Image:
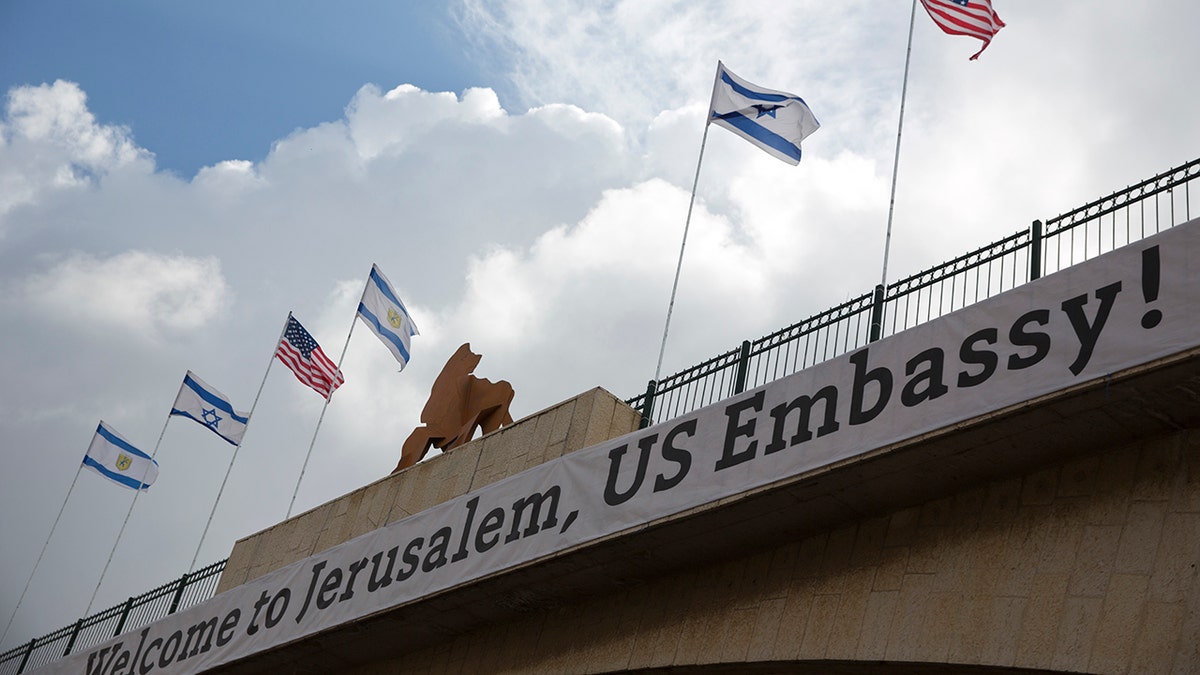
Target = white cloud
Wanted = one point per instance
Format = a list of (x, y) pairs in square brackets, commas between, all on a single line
[(51, 141), (373, 117), (141, 294)]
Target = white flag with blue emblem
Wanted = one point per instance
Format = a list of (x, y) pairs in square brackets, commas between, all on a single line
[(198, 401), (775, 121), (382, 310), (115, 458)]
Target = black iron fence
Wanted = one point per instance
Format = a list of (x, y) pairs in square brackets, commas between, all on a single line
[(1153, 205), (139, 610)]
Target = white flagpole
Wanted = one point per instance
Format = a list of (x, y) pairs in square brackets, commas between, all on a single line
[(42, 553), (326, 406), (899, 130), (237, 447), (686, 224), (132, 502)]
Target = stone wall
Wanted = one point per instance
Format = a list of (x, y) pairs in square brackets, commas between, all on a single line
[(1088, 565), (587, 419)]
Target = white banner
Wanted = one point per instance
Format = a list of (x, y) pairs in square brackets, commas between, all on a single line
[(1122, 309)]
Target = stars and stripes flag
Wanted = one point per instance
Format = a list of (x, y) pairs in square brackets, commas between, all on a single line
[(301, 353), (973, 18)]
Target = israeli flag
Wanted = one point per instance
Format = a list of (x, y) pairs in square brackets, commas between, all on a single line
[(200, 402), (775, 121), (382, 311), (113, 457)]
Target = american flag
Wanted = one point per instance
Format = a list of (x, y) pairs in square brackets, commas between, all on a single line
[(973, 18), (301, 353)]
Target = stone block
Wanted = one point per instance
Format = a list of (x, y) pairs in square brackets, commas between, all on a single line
[(1121, 613), (1140, 537)]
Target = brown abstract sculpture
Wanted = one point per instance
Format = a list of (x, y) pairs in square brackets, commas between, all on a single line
[(458, 402)]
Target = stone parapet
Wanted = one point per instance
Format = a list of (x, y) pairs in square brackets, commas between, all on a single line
[(590, 418)]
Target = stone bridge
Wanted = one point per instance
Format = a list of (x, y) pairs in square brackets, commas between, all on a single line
[(1060, 535)]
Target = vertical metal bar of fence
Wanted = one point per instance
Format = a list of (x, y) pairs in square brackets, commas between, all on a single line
[(877, 313), (178, 594), (124, 616), (28, 653), (74, 634), (739, 384), (648, 404), (1035, 250)]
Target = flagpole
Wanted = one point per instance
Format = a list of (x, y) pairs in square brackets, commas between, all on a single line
[(237, 447), (42, 553), (304, 467), (899, 130), (679, 265), (141, 481)]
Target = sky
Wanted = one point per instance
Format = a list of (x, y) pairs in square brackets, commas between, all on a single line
[(176, 177)]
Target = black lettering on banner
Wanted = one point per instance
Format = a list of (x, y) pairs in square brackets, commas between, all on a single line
[(1151, 271), (611, 496), (227, 626), (137, 655), (466, 532), (1087, 334), (328, 592), (491, 524), (354, 568), (97, 665), (377, 580), (828, 395), (735, 428), (438, 544), (266, 597), (200, 638), (308, 596), (535, 500), (121, 662), (410, 558), (167, 655), (914, 394), (145, 667), (280, 603), (987, 360), (881, 376), (678, 455), (1019, 337)]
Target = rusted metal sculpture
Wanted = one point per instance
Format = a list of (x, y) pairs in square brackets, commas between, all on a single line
[(458, 403)]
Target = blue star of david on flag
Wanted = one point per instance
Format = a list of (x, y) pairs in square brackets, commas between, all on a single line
[(766, 110), (211, 419)]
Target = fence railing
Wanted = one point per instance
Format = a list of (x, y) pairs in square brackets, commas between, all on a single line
[(139, 610), (1153, 205), (1126, 216)]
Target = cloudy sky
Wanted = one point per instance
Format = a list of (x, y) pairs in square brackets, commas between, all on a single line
[(176, 177)]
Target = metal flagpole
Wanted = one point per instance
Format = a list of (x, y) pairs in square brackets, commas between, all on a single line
[(899, 130), (237, 447), (132, 502), (679, 266), (42, 553), (324, 408)]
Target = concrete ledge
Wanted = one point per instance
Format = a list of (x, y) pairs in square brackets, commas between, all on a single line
[(590, 418)]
